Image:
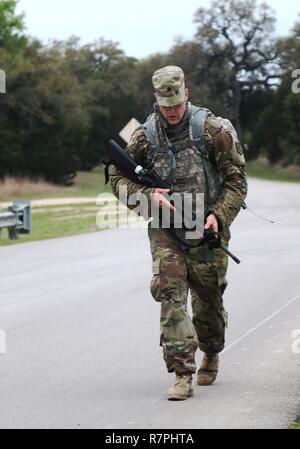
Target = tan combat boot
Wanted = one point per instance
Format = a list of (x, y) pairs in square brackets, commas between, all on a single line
[(182, 388), (208, 370)]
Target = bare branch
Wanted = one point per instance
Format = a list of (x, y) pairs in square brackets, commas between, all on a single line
[(263, 82), (260, 53), (232, 46)]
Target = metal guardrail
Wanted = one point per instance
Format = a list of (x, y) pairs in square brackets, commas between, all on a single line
[(17, 220)]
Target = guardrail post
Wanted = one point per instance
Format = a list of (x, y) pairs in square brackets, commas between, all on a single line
[(17, 220)]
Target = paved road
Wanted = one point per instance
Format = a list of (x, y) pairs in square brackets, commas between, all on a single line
[(82, 330)]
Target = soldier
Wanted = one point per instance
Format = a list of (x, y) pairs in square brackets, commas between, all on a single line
[(197, 153)]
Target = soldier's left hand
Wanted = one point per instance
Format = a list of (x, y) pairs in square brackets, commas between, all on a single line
[(212, 223)]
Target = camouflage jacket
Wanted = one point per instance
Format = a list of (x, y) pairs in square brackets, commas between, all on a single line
[(227, 156)]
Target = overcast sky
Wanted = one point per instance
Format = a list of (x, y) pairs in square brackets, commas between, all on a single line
[(141, 27)]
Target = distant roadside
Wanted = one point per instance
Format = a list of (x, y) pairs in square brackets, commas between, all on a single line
[(86, 184), (91, 184), (64, 211), (57, 211), (295, 425), (262, 169)]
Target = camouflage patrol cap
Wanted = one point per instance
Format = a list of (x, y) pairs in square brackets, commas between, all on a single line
[(169, 86)]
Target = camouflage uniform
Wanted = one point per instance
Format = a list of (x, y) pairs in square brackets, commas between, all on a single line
[(199, 270)]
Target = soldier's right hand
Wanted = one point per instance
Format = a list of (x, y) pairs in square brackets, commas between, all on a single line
[(160, 200)]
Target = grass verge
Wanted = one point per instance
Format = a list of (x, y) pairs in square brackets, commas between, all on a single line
[(52, 222), (62, 221), (295, 425), (263, 170)]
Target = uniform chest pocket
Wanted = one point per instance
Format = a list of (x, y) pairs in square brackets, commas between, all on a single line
[(189, 163), (163, 163)]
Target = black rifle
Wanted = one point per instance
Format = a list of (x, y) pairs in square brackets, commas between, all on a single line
[(132, 171), (214, 241), (136, 173)]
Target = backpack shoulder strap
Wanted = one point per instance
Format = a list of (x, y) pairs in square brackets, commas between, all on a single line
[(213, 179), (150, 131), (197, 121)]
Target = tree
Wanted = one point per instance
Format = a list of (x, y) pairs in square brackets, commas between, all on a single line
[(65, 101), (253, 106), (108, 87), (278, 127), (12, 45), (42, 117), (12, 38), (237, 35)]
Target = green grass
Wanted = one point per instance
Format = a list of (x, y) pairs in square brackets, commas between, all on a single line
[(60, 221), (295, 425), (89, 184), (262, 170), (52, 222), (57, 221)]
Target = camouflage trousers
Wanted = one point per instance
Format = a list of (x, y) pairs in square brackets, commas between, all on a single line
[(175, 273)]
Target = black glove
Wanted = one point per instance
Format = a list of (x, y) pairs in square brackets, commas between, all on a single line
[(212, 239)]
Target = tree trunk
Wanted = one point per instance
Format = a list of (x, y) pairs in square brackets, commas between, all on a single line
[(236, 103)]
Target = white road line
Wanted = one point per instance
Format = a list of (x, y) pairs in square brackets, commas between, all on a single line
[(261, 323)]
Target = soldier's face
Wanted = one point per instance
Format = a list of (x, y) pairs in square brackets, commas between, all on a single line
[(174, 114)]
